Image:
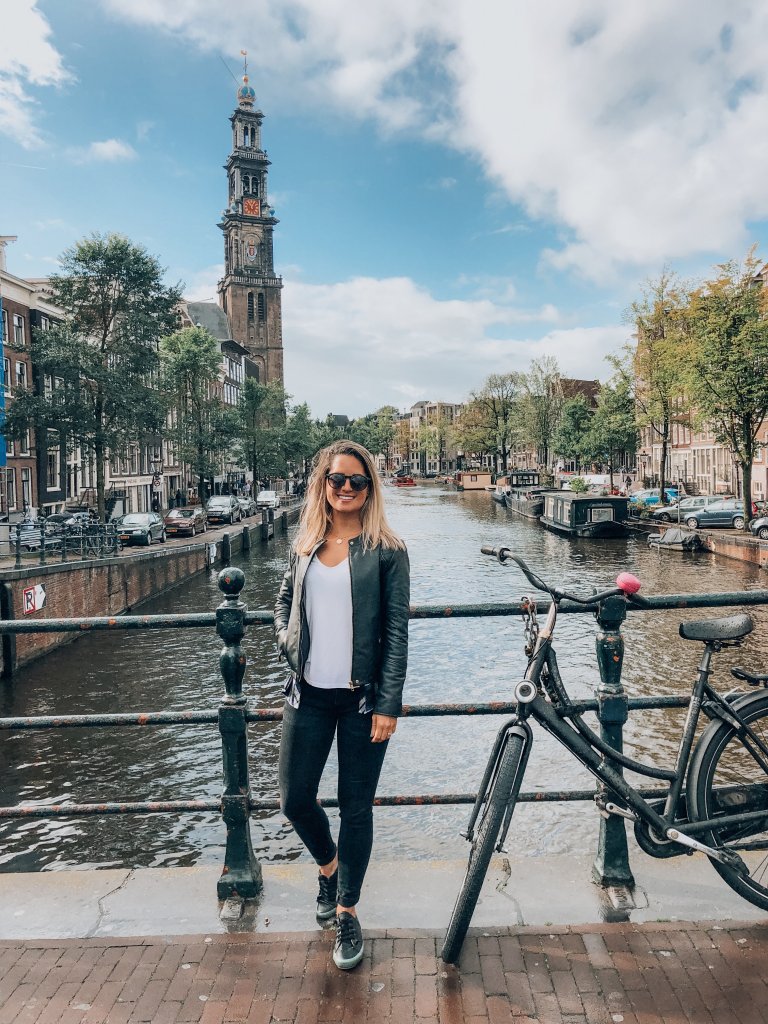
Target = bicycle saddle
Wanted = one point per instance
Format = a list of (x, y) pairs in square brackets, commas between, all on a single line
[(730, 627)]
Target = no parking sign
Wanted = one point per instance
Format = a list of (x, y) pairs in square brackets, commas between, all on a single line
[(33, 598)]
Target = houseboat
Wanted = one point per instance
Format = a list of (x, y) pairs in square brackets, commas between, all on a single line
[(525, 494), (585, 515), (472, 480), (501, 490)]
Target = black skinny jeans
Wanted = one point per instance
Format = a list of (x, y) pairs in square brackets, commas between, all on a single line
[(305, 744)]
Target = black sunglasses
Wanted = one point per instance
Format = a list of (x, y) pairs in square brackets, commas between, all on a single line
[(357, 481)]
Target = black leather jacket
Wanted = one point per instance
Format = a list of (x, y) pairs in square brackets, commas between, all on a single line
[(380, 580)]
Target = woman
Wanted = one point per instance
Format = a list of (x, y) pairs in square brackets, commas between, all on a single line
[(341, 622)]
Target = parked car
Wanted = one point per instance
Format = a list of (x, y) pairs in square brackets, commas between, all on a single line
[(57, 522), (141, 528), (267, 499), (189, 519), (759, 527), (223, 508), (684, 507), (247, 506), (652, 496), (727, 512)]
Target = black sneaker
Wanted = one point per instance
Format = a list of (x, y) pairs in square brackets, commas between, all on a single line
[(326, 897), (348, 948)]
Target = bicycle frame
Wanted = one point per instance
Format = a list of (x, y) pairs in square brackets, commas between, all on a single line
[(603, 761)]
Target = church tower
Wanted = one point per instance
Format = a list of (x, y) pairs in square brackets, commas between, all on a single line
[(249, 292)]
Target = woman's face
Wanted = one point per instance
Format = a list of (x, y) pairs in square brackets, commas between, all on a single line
[(346, 500)]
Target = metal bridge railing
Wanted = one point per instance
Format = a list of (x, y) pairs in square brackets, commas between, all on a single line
[(241, 873)]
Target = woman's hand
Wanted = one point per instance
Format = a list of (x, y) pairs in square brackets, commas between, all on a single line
[(382, 727)]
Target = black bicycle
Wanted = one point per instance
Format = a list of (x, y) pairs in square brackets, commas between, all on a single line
[(717, 796)]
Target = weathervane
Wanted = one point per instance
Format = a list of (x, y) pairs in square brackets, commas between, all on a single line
[(245, 61)]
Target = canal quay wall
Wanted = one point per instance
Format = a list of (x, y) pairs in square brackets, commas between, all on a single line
[(110, 586), (729, 544)]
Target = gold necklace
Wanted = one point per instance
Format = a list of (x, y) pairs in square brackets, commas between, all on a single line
[(343, 540)]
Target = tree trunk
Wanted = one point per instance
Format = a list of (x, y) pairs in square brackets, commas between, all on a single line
[(746, 477), (100, 483), (663, 463)]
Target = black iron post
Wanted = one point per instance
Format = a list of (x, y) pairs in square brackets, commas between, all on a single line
[(42, 543), (611, 865), (242, 872), (264, 525), (18, 546), (226, 550)]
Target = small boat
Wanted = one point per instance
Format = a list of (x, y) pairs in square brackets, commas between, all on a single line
[(525, 495), (585, 515), (500, 490), (675, 539), (404, 481)]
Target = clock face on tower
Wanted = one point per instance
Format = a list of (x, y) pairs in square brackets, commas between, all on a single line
[(251, 206)]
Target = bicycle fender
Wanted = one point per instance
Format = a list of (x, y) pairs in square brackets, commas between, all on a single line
[(741, 703)]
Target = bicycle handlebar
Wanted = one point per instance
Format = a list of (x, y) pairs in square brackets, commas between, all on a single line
[(626, 583)]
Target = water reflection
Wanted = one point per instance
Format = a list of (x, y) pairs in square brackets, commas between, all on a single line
[(453, 660)]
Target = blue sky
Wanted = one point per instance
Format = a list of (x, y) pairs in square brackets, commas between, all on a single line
[(462, 186)]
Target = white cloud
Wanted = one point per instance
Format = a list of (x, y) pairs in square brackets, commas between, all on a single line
[(27, 58), (107, 151), (636, 127), (353, 346), (201, 285)]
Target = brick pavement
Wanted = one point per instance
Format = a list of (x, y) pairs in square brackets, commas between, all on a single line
[(675, 973)]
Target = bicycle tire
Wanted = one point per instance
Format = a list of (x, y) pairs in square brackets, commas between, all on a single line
[(722, 760), (499, 797)]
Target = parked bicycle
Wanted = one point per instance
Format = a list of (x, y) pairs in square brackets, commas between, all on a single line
[(717, 797)]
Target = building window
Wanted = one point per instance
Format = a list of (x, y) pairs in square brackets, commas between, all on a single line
[(246, 184), (262, 308), (24, 444), (18, 329), (5, 326), (7, 376), (26, 488), (21, 374), (10, 488), (250, 307), (52, 475), (45, 323)]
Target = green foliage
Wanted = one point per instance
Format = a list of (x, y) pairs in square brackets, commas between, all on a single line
[(262, 428), (489, 423), (727, 358), (376, 431), (202, 425), (569, 439), (541, 405), (101, 360), (579, 485), (613, 429)]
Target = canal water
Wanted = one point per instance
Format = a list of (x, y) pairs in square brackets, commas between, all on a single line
[(458, 660)]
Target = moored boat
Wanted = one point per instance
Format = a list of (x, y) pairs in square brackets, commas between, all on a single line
[(585, 515), (675, 539), (472, 480), (404, 481), (500, 490), (525, 495)]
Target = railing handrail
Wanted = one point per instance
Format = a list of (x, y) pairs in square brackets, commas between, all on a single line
[(199, 620)]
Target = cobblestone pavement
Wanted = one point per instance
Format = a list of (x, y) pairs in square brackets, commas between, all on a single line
[(634, 974)]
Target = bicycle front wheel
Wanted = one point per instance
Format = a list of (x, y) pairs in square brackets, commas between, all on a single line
[(502, 794), (729, 775)]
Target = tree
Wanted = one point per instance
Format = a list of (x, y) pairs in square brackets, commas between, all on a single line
[(570, 436), (473, 433), (300, 437), (376, 431), (655, 366), (542, 404), (728, 361), (262, 428), (613, 430), (493, 419), (202, 426), (97, 368)]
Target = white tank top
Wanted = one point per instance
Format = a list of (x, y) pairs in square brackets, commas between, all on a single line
[(328, 591)]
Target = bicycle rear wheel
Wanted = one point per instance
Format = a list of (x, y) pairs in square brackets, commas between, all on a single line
[(502, 794), (729, 775)]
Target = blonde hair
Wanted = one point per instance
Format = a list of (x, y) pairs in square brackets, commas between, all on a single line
[(317, 515)]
